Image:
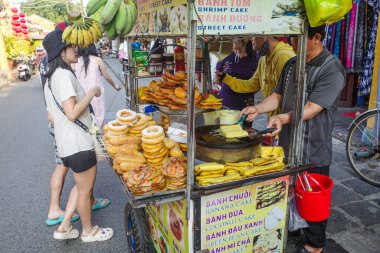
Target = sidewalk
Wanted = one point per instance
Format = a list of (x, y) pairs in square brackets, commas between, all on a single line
[(354, 226)]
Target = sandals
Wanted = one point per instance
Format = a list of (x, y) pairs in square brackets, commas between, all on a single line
[(52, 222), (69, 234), (98, 234)]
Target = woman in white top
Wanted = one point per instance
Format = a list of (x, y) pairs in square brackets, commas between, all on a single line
[(89, 71), (68, 104)]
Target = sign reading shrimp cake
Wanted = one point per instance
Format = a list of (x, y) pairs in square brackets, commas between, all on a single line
[(246, 219), (223, 17), (220, 17)]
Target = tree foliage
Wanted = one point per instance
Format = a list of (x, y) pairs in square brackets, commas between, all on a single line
[(53, 10)]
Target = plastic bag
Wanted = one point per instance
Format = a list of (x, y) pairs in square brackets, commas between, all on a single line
[(321, 12), (295, 220)]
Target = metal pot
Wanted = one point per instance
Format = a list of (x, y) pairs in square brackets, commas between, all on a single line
[(219, 149)]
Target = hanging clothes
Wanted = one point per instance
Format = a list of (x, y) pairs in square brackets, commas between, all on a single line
[(366, 76), (359, 47)]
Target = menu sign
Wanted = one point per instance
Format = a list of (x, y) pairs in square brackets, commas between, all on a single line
[(167, 226), (224, 17), (161, 16), (247, 219)]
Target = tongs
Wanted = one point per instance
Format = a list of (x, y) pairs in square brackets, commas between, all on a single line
[(264, 131)]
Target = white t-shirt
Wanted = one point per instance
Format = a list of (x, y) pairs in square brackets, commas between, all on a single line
[(70, 137)]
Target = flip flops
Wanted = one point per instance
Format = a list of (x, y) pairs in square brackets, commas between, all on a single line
[(69, 234), (52, 222), (100, 205), (98, 234)]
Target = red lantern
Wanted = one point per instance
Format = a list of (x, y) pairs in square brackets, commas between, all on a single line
[(22, 15), (17, 23), (18, 30), (23, 20), (23, 26), (15, 17), (25, 32), (14, 10)]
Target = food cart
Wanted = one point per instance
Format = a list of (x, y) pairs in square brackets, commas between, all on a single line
[(245, 215)]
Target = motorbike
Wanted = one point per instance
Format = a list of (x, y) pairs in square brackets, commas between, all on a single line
[(32, 63), (23, 72)]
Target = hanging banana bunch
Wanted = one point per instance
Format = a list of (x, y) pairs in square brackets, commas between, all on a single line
[(117, 17), (83, 32)]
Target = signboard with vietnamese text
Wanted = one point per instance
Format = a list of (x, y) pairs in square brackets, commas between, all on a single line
[(220, 17), (249, 219), (226, 17), (167, 227)]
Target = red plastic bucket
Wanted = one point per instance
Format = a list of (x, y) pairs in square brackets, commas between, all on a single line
[(315, 205)]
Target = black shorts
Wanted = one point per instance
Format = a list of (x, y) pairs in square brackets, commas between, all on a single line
[(80, 161)]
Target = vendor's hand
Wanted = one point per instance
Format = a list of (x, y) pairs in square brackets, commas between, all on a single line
[(219, 76), (274, 122), (96, 91), (251, 113), (216, 78)]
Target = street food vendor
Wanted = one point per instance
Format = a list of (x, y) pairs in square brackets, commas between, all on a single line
[(241, 63), (274, 56), (325, 80)]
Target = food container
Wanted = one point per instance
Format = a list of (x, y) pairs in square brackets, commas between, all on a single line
[(167, 57), (155, 58), (155, 69), (169, 65)]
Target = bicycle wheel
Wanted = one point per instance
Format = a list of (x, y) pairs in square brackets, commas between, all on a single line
[(362, 147)]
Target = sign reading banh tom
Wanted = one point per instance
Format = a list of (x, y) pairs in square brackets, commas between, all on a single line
[(220, 17)]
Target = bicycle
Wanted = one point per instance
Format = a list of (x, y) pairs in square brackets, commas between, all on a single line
[(363, 147)]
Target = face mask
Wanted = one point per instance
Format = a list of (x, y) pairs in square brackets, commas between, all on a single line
[(264, 49)]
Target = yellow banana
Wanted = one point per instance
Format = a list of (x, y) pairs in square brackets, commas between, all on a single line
[(86, 38), (93, 33), (66, 33), (74, 36), (80, 39)]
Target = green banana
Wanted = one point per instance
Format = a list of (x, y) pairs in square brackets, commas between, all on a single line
[(111, 30), (131, 19), (120, 19), (109, 11), (93, 6)]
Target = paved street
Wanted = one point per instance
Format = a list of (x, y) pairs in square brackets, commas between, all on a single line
[(27, 160)]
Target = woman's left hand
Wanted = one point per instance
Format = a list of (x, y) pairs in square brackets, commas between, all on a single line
[(117, 87)]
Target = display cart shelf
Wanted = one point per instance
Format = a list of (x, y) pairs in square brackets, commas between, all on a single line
[(215, 188)]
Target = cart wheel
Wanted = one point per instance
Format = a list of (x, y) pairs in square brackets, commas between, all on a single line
[(134, 222)]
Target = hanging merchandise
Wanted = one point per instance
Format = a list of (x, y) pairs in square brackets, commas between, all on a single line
[(117, 16), (23, 20), (22, 15), (82, 32), (14, 10), (366, 76), (179, 57), (23, 26), (15, 17), (321, 12)]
